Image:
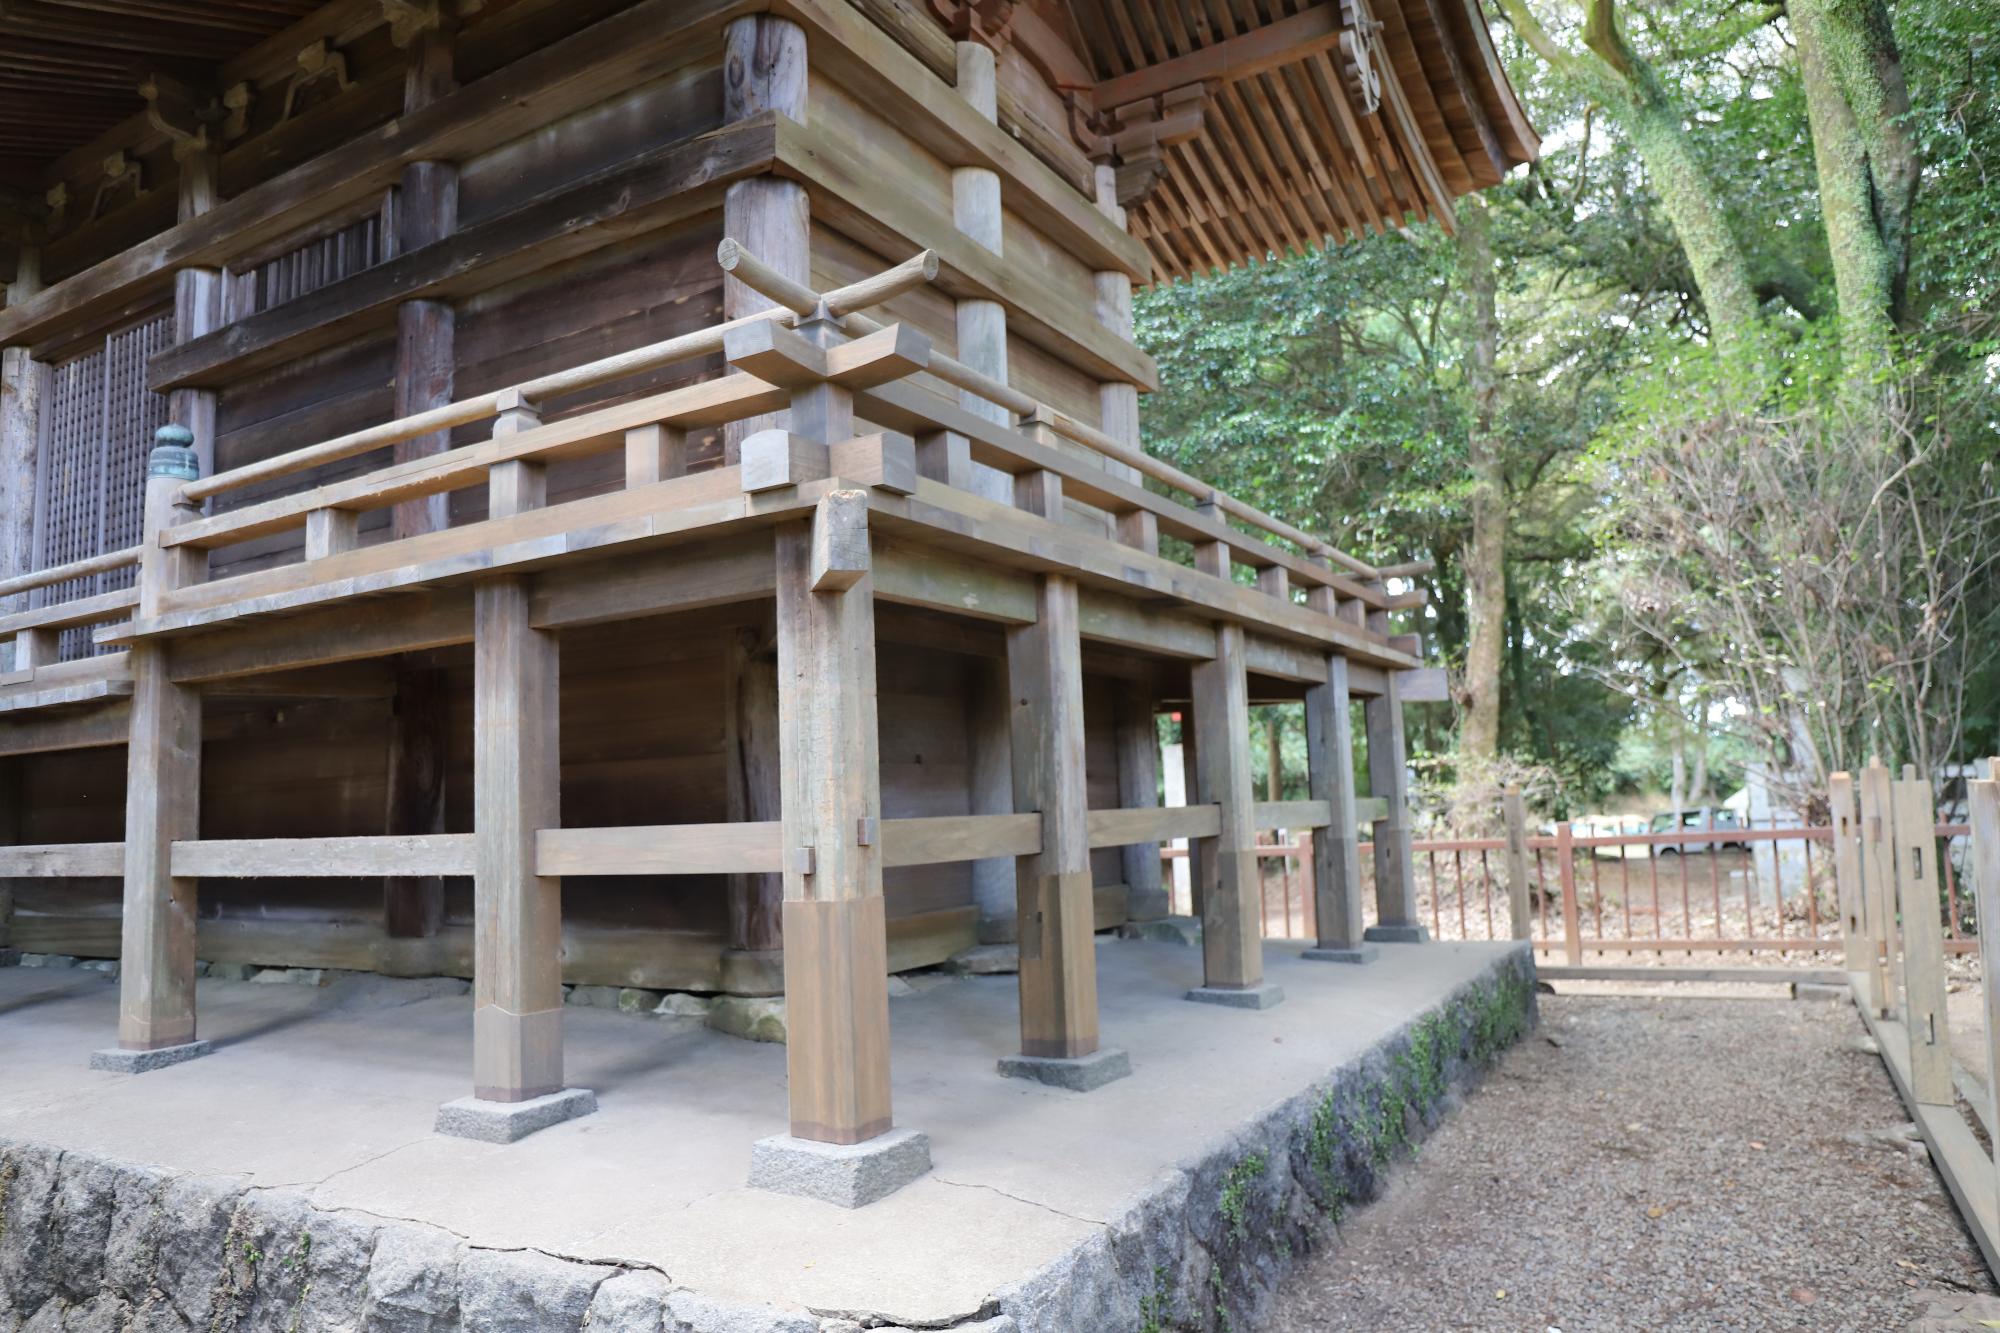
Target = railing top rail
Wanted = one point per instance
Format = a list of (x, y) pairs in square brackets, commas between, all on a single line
[(75, 569), (803, 301), (869, 291)]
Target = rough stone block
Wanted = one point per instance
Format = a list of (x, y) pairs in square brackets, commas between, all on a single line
[(753, 1018), (505, 1122), (1364, 953), (412, 1283), (1397, 934), (633, 1302), (10, 957), (680, 1005), (52, 961), (689, 1313), (523, 1291), (119, 1061), (987, 960), (1263, 996), (1147, 904), (231, 971), (1182, 930), (633, 1000), (1818, 990), (1082, 1073), (592, 997), (845, 1175)]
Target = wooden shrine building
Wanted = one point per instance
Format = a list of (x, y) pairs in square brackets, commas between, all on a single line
[(649, 492)]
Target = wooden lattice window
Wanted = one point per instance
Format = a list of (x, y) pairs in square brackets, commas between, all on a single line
[(97, 429), (317, 263)]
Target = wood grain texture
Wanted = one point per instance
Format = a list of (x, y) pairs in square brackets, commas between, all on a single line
[(1232, 903), (1388, 779), (1878, 874), (1054, 912), (1847, 871), (1330, 774), (1924, 1015)]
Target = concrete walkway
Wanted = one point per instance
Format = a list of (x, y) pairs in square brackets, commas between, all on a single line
[(331, 1092)]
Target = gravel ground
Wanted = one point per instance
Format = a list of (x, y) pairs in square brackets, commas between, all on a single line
[(1658, 1163)]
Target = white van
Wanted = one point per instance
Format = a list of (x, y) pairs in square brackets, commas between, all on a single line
[(1706, 818)]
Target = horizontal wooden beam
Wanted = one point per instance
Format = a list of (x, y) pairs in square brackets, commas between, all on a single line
[(63, 860), (1257, 51), (946, 838), (66, 729), (1290, 814), (656, 189), (37, 694), (1121, 828), (350, 632), (325, 858), (77, 611), (661, 849)]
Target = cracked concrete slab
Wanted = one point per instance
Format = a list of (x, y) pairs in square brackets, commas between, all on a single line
[(325, 1094)]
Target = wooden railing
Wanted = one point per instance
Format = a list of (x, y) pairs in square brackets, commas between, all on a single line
[(883, 367), (36, 632)]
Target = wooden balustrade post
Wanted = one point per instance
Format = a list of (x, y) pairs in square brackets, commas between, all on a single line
[(1056, 913), (1847, 873), (1389, 780), (1336, 853), (1571, 910), (1983, 869), (1925, 1019), (1878, 874), (835, 929), (156, 990), (1118, 400), (1232, 926), (1520, 913)]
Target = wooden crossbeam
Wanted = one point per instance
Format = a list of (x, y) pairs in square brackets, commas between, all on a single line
[(1284, 42)]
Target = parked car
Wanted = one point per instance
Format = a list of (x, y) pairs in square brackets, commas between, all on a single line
[(1706, 818)]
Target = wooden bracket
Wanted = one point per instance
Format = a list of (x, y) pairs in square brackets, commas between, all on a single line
[(1137, 135), (775, 355), (120, 172), (988, 22), (774, 459), (410, 19), (194, 120), (318, 63)]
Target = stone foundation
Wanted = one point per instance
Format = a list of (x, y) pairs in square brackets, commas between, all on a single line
[(88, 1244)]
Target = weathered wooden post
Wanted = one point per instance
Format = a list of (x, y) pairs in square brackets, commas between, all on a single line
[(1925, 1018), (1336, 858), (1520, 914), (1232, 927), (1138, 740), (22, 379), (1572, 912), (1056, 913), (1878, 875), (1389, 779), (517, 1041), (156, 1000), (1847, 873), (1983, 869)]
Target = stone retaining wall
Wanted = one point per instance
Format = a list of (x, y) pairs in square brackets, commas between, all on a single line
[(91, 1245)]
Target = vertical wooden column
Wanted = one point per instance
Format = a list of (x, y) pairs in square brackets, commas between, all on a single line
[(1878, 876), (1847, 873), (1924, 1017), (1520, 915), (1336, 848), (836, 945), (517, 1044), (1117, 400), (1058, 976), (1232, 927), (156, 1009), (1389, 779), (753, 963), (1138, 741), (426, 361), (21, 382), (197, 306), (764, 68)]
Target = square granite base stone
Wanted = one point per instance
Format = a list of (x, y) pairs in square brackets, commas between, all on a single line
[(1081, 1073), (847, 1175), (117, 1060), (1263, 996), (1397, 934), (505, 1122), (1360, 953)]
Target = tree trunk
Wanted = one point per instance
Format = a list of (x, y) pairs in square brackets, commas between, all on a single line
[(1485, 560), (1856, 101)]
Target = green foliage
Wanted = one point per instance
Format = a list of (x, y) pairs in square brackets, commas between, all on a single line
[(1235, 1201)]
